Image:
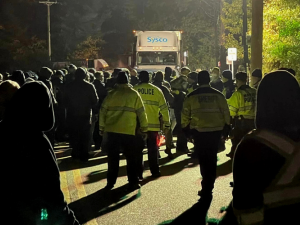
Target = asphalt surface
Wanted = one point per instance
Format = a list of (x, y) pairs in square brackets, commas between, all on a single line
[(169, 199)]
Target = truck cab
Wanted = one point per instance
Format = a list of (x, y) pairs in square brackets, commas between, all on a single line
[(156, 50)]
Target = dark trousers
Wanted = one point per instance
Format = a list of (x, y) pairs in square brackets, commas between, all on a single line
[(80, 136), (206, 150), (60, 124), (153, 152), (241, 128), (140, 145), (115, 142), (96, 136), (181, 143)]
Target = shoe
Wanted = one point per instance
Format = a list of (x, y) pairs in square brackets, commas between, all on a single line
[(108, 187), (186, 150), (156, 175), (231, 184), (204, 194), (133, 187), (170, 156)]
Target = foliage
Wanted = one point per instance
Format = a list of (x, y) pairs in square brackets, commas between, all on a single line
[(88, 49), (232, 19), (282, 35)]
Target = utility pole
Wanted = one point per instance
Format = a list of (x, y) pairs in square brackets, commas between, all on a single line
[(48, 4), (245, 29), (256, 37)]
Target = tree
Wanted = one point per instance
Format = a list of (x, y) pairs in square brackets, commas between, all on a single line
[(88, 49), (282, 35), (232, 19)]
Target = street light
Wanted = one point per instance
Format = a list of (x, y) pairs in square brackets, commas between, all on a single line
[(48, 4)]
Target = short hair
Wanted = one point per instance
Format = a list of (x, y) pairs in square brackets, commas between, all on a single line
[(144, 76), (203, 77)]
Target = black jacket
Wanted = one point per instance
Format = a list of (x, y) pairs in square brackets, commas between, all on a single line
[(80, 97), (33, 181)]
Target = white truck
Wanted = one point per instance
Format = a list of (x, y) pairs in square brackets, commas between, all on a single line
[(156, 50)]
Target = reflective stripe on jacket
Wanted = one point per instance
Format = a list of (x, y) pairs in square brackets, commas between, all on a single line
[(120, 110), (205, 110), (285, 188), (155, 103), (242, 102)]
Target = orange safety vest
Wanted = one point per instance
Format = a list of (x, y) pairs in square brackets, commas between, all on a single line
[(285, 187)]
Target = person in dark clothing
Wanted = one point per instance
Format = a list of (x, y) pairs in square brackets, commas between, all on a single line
[(229, 87), (216, 81), (193, 82), (102, 93), (110, 83), (18, 76), (80, 97), (71, 74), (107, 76), (133, 78), (179, 89), (168, 74), (45, 77), (256, 76), (34, 160), (158, 82), (7, 90), (266, 163), (59, 109)]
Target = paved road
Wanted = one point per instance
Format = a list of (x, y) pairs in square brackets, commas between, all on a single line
[(159, 201)]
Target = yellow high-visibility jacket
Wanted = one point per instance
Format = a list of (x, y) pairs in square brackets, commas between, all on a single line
[(120, 109), (155, 103), (242, 102), (205, 110)]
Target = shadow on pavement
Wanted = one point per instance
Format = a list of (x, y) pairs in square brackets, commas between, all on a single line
[(102, 202), (167, 170), (195, 215), (224, 168)]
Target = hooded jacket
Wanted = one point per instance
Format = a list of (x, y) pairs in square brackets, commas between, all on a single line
[(266, 163), (37, 185)]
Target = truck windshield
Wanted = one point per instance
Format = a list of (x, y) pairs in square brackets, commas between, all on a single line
[(157, 58)]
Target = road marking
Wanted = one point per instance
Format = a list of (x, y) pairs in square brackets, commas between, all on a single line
[(81, 191), (64, 186)]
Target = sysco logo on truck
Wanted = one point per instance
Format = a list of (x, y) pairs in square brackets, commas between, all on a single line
[(156, 39)]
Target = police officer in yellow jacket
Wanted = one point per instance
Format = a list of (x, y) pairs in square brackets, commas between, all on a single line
[(242, 110), (155, 104), (266, 169), (118, 117), (205, 116)]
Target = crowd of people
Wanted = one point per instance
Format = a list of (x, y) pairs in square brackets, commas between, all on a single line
[(125, 111)]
